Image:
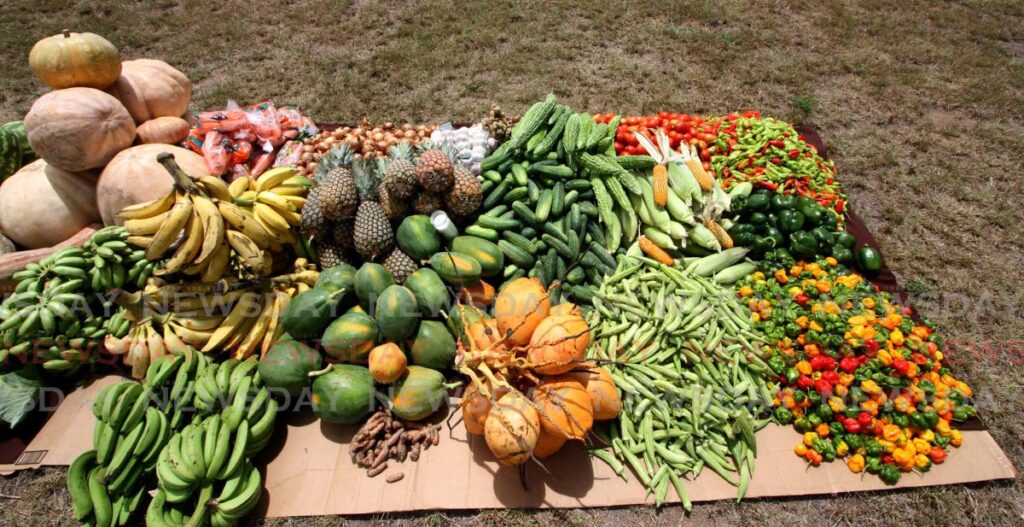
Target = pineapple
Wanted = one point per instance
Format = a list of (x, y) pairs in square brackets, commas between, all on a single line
[(466, 195), (312, 219), (435, 170), (329, 255), (372, 234), (400, 174), (393, 206), (341, 234), (399, 265), (338, 197), (428, 202)]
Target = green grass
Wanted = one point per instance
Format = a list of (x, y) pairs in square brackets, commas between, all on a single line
[(921, 102)]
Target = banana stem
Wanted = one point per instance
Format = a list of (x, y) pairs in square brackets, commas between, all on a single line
[(181, 180)]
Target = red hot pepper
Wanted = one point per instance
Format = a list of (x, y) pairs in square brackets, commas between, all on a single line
[(852, 426), (801, 299), (849, 364), (793, 154), (804, 382), (823, 387), (864, 419), (900, 365), (871, 345)]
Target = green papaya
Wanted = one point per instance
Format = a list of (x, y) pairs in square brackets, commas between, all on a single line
[(343, 394), (418, 394), (338, 277), (350, 338), (287, 364), (417, 237), (456, 268), (370, 281), (486, 253), (310, 312), (431, 293), (433, 347), (461, 317), (397, 314)]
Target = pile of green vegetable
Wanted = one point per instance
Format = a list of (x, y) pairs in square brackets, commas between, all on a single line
[(784, 227)]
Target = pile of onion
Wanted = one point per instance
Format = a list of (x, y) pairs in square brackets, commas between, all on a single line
[(530, 347), (365, 140)]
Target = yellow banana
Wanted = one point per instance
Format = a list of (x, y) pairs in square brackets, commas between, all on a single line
[(196, 339), (140, 241), (246, 198), (155, 344), (275, 201), (215, 187), (281, 301), (288, 190), (237, 219), (238, 186), (243, 310), (252, 256), (270, 216), (148, 209), (172, 341), (274, 177), (255, 335), (170, 229), (198, 324), (187, 249), (276, 235), (218, 264), (146, 226), (213, 227), (297, 201)]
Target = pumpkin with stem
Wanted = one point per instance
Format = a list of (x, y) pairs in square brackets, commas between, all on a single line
[(72, 60)]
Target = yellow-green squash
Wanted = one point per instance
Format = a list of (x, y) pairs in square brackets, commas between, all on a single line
[(418, 394), (456, 268), (397, 313), (350, 338), (486, 253), (433, 347)]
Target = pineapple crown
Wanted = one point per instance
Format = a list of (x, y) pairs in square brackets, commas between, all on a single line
[(339, 156), (401, 150), (366, 178), (449, 151)]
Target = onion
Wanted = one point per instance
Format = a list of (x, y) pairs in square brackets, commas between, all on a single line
[(382, 145), (410, 134), (512, 429), (306, 157), (558, 344), (600, 386), (353, 142), (389, 125), (520, 307)]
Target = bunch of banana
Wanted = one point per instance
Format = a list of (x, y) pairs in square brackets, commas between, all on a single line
[(233, 498), (105, 261), (233, 388), (141, 346), (92, 500), (274, 200)]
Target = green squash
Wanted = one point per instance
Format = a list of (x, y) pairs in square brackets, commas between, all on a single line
[(310, 312), (287, 364), (434, 346), (418, 394), (431, 293), (486, 253), (461, 317), (370, 281), (456, 268), (344, 394), (338, 277), (350, 338), (397, 313), (417, 237)]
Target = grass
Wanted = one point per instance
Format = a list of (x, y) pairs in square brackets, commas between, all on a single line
[(922, 108)]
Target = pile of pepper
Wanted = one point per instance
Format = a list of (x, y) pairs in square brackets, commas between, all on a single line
[(770, 154), (857, 376), (783, 227), (680, 128)]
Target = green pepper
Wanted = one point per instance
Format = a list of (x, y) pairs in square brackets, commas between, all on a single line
[(757, 219), (790, 221), (802, 425), (775, 234), (783, 416), (737, 203), (918, 421), (815, 397), (926, 386), (825, 412), (758, 201), (782, 256), (829, 219), (873, 448), (901, 420), (931, 417), (804, 201), (773, 220), (803, 244), (960, 413), (835, 428), (842, 254), (873, 464), (868, 260), (889, 474), (941, 440), (777, 364), (783, 202), (846, 239), (792, 375), (812, 212), (851, 412), (854, 440), (744, 239), (799, 396), (857, 395), (823, 235), (738, 228), (814, 420)]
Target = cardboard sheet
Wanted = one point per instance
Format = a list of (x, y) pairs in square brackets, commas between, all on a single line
[(308, 470)]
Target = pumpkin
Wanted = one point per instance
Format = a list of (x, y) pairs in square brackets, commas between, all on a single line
[(73, 60), (152, 88), (135, 176), (78, 129), (166, 130), (42, 205)]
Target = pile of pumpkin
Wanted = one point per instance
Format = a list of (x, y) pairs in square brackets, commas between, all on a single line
[(83, 131), (530, 391)]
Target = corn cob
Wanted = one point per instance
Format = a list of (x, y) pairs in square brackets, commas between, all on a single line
[(723, 237), (651, 249)]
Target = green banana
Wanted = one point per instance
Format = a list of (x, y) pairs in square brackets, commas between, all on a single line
[(102, 509), (78, 484), (125, 446), (104, 445), (125, 404), (112, 398), (245, 500), (220, 452), (150, 431), (241, 444), (138, 410)]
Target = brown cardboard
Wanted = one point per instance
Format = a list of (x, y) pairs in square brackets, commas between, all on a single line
[(308, 471)]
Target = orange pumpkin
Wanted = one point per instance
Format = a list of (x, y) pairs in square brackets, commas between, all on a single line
[(42, 205), (78, 129), (75, 60), (164, 130), (135, 176), (152, 88)]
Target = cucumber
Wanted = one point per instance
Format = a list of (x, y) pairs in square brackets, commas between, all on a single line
[(577, 184), (575, 217), (558, 245), (524, 212), (588, 208), (519, 174), (560, 269), (516, 254), (558, 199), (636, 162), (494, 197), (533, 190), (544, 205), (500, 224), (528, 232), (605, 256), (575, 275), (550, 265), (492, 175), (519, 240), (558, 171), (515, 194), (499, 156), (497, 211), (554, 230), (486, 186), (482, 232), (573, 243), (596, 232), (548, 143), (570, 198), (505, 166)]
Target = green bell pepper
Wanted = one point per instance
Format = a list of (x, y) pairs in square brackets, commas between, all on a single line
[(803, 244), (783, 201), (823, 235), (813, 213), (889, 474), (790, 221), (758, 201), (846, 240), (783, 416), (868, 260), (842, 254)]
